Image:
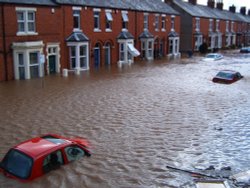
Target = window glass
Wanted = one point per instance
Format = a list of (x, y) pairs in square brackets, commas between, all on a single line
[(31, 21), (52, 161), (74, 152), (96, 20), (76, 19), (34, 58), (18, 164), (21, 21), (73, 56)]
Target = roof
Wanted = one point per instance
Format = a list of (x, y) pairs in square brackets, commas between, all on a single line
[(77, 37), (146, 34), (139, 5), (37, 146), (207, 12), (125, 35), (30, 2)]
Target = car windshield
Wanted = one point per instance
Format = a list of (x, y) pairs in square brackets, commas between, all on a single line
[(210, 56), (17, 164), (225, 75)]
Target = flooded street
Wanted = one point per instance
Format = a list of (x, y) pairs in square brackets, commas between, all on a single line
[(139, 119)]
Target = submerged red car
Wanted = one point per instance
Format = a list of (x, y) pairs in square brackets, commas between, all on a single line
[(40, 155), (227, 77)]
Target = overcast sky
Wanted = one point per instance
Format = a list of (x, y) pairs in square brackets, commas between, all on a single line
[(227, 3)]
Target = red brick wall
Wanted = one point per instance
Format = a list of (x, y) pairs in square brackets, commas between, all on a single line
[(48, 26)]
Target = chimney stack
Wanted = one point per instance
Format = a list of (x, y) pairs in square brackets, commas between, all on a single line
[(232, 9), (194, 2), (168, 2), (210, 3), (219, 4), (243, 10), (248, 12)]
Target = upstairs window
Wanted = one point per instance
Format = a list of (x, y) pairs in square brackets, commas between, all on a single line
[(26, 21), (125, 20), (163, 22), (77, 18), (109, 20), (211, 25), (217, 25), (232, 26), (197, 24), (97, 20), (172, 23), (145, 21), (227, 26), (157, 22)]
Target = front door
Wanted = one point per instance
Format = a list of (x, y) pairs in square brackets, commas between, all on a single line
[(52, 64)]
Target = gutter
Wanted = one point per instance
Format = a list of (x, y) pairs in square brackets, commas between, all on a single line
[(4, 44)]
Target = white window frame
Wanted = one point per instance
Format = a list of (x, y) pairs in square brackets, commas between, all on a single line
[(157, 19), (217, 25), (109, 19), (26, 48), (163, 22), (232, 26), (145, 20), (172, 23), (77, 15), (26, 21), (128, 58), (77, 46), (147, 48), (125, 19), (227, 26), (211, 22), (97, 20), (197, 24), (198, 42)]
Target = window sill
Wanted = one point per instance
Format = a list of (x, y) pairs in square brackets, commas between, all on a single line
[(97, 30), (108, 30), (163, 30), (26, 33)]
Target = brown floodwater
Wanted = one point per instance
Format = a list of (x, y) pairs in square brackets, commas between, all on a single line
[(138, 118)]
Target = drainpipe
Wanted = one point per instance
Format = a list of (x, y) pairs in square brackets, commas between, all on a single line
[(4, 45)]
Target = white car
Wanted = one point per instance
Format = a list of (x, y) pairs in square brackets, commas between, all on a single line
[(213, 57)]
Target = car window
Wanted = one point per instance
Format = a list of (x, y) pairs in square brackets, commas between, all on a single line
[(18, 164), (74, 152), (52, 161)]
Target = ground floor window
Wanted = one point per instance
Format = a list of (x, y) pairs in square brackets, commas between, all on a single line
[(197, 42), (211, 42), (127, 51), (147, 48), (228, 40), (79, 55), (173, 45), (28, 60)]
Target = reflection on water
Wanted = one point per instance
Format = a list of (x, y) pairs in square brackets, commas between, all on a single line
[(139, 119)]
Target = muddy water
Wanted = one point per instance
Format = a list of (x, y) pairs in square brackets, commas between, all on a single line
[(139, 119)]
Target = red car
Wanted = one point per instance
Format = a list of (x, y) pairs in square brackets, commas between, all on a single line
[(39, 155), (227, 77)]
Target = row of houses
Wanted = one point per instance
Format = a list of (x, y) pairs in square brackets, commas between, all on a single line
[(39, 38)]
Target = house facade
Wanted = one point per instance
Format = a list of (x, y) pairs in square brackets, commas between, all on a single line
[(211, 25), (44, 37)]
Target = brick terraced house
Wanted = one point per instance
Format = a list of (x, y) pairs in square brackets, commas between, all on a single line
[(212, 25), (39, 38)]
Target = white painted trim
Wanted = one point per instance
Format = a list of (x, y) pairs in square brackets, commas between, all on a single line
[(26, 9)]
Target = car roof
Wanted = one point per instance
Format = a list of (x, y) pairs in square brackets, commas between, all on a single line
[(229, 71), (38, 146)]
